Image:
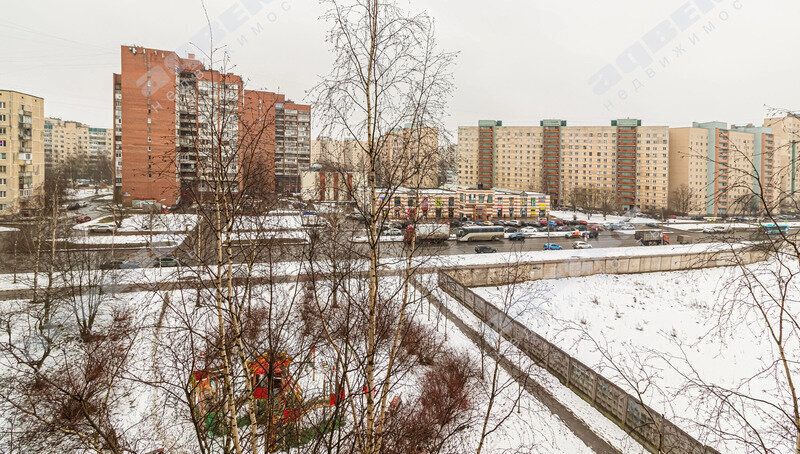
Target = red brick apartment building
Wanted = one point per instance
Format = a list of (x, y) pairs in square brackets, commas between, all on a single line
[(168, 112)]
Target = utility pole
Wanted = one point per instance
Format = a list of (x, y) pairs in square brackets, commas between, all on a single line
[(794, 166)]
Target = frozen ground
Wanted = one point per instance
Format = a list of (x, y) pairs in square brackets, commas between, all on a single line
[(85, 193), (157, 222), (663, 331), (548, 434), (599, 219)]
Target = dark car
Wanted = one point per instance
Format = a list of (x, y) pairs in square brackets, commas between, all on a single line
[(518, 236), (166, 262), (119, 265), (511, 229), (82, 219), (484, 249), (73, 206)]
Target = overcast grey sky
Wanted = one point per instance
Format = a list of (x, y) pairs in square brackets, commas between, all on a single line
[(521, 61)]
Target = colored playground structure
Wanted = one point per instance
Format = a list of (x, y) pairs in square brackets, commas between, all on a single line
[(279, 401)]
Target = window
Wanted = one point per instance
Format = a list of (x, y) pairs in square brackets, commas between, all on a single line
[(3, 156), (2, 182), (2, 118), (2, 169), (2, 130), (2, 194), (2, 143), (2, 105)]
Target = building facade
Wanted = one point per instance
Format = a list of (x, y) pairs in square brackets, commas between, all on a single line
[(413, 157), (172, 115), (717, 170), (624, 161), (786, 133), (71, 141), (21, 149)]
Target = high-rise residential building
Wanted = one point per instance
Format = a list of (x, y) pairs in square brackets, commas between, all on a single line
[(717, 170), (786, 132), (171, 114), (21, 148), (625, 161), (66, 141), (413, 157)]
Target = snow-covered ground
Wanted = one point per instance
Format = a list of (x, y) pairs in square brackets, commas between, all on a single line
[(158, 239), (675, 328), (430, 263), (599, 219), (549, 434), (86, 193), (157, 222), (700, 226)]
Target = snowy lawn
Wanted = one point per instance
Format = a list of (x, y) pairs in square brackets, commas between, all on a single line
[(157, 222), (664, 330), (599, 219)]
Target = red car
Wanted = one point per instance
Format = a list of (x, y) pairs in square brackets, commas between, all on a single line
[(82, 219)]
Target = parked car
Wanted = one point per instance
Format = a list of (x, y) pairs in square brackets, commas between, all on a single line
[(511, 230), (166, 262), (716, 229), (499, 223), (487, 223), (119, 265), (393, 232), (552, 247), (82, 219), (102, 228), (484, 249), (573, 234), (73, 206), (581, 245), (82, 204), (514, 223), (518, 236)]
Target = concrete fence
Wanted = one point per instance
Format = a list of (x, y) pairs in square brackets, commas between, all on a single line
[(563, 265), (642, 423)]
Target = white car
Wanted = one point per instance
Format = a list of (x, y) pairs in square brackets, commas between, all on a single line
[(393, 232), (581, 245), (716, 229)]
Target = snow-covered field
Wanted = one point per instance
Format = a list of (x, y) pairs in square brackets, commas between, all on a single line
[(157, 222), (599, 219), (86, 193), (664, 331), (158, 239)]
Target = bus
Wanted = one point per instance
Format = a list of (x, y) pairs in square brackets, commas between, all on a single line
[(480, 233), (772, 229)]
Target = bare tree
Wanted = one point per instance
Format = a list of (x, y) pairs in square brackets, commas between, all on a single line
[(388, 75)]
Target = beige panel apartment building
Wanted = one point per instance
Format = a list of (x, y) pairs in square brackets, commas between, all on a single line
[(413, 157), (717, 170), (786, 132), (21, 148), (626, 160), (71, 141)]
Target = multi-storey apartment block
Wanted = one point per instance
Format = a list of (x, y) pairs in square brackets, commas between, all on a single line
[(21, 148), (718, 170), (413, 157), (172, 116), (626, 160), (786, 133), (71, 141)]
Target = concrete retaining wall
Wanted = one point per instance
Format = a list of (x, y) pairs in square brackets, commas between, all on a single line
[(576, 266)]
